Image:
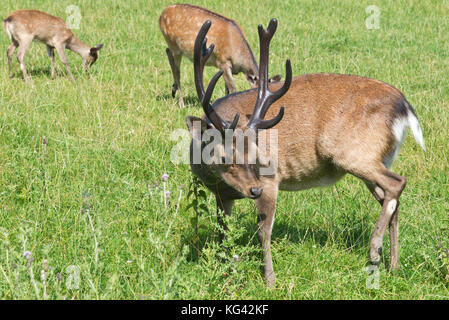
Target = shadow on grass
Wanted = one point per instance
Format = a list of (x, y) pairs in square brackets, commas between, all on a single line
[(348, 235), (189, 101), (42, 73)]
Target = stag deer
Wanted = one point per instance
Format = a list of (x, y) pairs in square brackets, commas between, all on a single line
[(334, 124), (26, 26), (180, 24)]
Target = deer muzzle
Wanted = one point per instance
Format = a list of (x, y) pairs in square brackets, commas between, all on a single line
[(255, 192)]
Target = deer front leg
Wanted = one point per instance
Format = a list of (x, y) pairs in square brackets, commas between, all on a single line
[(175, 65), (61, 52), (51, 55), (266, 206), (227, 75), (223, 207)]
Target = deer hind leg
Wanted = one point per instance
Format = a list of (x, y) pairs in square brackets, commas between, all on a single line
[(266, 206), (394, 228), (61, 53), (23, 48), (175, 64), (10, 52), (386, 187), (377, 192), (51, 55)]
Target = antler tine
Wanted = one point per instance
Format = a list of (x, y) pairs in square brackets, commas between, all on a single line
[(200, 55), (265, 98), (217, 121), (264, 43)]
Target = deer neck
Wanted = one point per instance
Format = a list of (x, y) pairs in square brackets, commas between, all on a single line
[(76, 45)]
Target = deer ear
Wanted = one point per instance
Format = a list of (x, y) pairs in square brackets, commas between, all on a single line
[(96, 48), (275, 78), (196, 126)]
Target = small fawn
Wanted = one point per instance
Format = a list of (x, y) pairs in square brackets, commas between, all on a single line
[(26, 26), (180, 24), (334, 124)]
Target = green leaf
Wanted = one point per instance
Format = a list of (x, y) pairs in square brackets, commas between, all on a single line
[(202, 194), (203, 207)]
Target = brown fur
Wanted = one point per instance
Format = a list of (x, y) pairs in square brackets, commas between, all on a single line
[(326, 131), (26, 26), (180, 24)]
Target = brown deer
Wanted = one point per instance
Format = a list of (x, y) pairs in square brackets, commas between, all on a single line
[(334, 124), (180, 24), (26, 26)]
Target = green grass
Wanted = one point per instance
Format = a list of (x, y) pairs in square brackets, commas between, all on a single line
[(82, 202)]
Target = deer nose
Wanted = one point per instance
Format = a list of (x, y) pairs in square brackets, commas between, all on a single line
[(255, 192)]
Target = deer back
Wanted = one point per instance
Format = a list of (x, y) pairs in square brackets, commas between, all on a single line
[(180, 25), (41, 26)]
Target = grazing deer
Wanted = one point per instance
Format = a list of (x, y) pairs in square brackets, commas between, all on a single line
[(334, 124), (26, 26), (180, 24)]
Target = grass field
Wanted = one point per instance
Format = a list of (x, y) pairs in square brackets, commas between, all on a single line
[(81, 164)]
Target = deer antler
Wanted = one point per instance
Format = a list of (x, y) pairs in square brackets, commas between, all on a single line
[(200, 55), (265, 98)]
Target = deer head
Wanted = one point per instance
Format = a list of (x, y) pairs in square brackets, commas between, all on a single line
[(232, 171), (91, 57)]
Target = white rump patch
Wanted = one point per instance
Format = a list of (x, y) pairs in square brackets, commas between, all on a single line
[(399, 129), (8, 31), (391, 206)]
